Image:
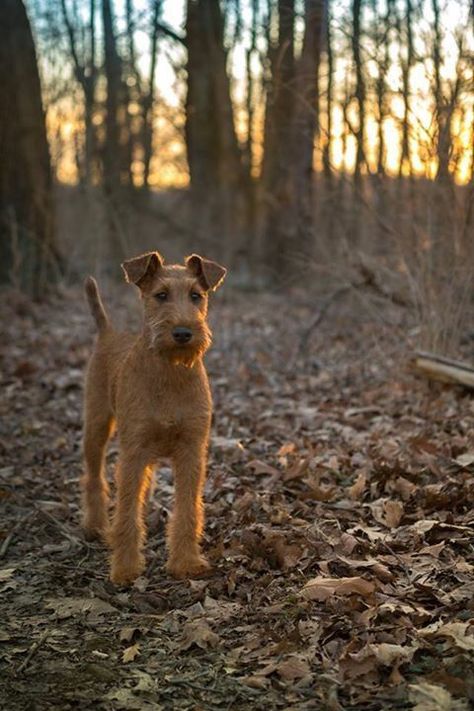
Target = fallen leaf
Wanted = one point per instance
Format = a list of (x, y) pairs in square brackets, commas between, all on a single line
[(358, 487), (65, 607), (465, 460), (260, 467), (429, 697), (293, 668), (458, 631), (6, 573), (127, 633), (387, 512), (323, 588), (198, 633), (130, 653)]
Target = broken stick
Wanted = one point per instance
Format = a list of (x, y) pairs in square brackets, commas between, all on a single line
[(443, 369)]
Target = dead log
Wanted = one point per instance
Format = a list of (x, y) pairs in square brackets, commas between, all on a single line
[(443, 369)]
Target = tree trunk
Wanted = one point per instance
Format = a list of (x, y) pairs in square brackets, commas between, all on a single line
[(327, 157), (443, 140), (28, 255), (277, 140), (288, 180), (85, 73), (148, 100), (407, 63), (218, 179), (112, 149), (360, 91)]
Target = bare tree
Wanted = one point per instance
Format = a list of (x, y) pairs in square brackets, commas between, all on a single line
[(218, 177), (148, 98), (27, 236), (360, 88), (85, 72), (113, 73), (406, 65), (293, 123), (327, 158)]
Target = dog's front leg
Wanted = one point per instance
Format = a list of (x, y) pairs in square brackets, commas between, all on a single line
[(187, 521), (128, 529)]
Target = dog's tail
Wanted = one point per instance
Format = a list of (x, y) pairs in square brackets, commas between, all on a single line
[(95, 304)]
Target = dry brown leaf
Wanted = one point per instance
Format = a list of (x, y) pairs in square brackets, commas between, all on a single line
[(260, 467), (359, 486), (377, 568), (130, 653), (256, 681), (65, 607), (465, 460), (387, 512), (293, 668), (388, 654), (461, 632), (287, 448), (198, 632), (6, 573), (126, 633), (323, 588), (429, 697)]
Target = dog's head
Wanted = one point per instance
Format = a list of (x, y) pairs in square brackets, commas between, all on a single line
[(175, 301)]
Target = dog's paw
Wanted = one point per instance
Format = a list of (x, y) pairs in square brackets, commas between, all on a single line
[(125, 573), (95, 533), (195, 567)]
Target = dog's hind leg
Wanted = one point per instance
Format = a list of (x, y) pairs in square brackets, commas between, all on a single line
[(95, 488)]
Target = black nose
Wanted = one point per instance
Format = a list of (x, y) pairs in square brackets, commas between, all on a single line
[(182, 334)]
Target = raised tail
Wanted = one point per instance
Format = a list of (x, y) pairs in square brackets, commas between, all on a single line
[(95, 304)]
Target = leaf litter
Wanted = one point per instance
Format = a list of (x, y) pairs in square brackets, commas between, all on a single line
[(340, 527)]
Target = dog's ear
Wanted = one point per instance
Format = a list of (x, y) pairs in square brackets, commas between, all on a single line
[(210, 274), (140, 270)]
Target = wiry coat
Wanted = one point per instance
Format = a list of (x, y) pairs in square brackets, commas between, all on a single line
[(154, 388)]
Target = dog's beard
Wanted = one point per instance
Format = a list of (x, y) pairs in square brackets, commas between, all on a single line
[(186, 354)]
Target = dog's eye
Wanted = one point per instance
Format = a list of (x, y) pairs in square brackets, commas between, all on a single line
[(196, 296), (161, 296)]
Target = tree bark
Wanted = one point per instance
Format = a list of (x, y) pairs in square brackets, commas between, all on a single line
[(112, 148), (28, 253), (218, 178), (407, 63), (288, 180), (327, 157), (360, 90), (86, 75), (148, 100)]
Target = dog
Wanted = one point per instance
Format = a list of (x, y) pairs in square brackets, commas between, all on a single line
[(153, 388)]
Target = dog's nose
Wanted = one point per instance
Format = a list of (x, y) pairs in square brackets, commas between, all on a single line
[(181, 334)]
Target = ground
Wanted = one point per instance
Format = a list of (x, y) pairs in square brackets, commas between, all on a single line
[(339, 523)]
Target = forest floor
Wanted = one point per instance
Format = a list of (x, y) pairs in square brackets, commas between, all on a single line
[(340, 524)]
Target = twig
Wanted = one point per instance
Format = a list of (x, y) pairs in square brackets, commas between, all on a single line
[(304, 338), (6, 543), (58, 524), (34, 648)]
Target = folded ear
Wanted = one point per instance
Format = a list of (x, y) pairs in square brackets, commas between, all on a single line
[(140, 270), (210, 274)]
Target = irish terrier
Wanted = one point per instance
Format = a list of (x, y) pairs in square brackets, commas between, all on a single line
[(154, 388)]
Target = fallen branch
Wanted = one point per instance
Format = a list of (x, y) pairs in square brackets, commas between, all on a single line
[(443, 369)]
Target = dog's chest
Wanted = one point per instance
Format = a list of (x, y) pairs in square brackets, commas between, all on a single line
[(174, 416)]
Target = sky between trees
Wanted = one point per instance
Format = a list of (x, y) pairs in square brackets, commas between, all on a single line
[(250, 26)]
